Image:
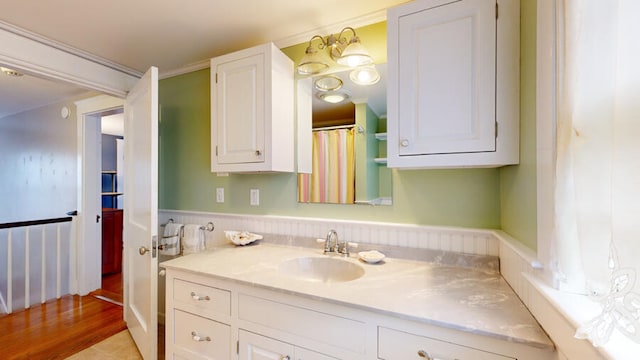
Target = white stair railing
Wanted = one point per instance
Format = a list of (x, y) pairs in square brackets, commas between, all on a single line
[(36, 271)]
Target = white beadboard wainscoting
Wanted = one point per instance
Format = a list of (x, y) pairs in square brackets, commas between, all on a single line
[(460, 240)]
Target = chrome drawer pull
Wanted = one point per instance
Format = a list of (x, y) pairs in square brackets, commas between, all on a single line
[(424, 354), (199, 338), (197, 297)]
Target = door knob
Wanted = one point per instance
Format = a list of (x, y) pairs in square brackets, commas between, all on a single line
[(143, 250)]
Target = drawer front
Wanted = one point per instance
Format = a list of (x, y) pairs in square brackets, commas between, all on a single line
[(400, 345), (195, 334), (333, 330), (201, 299)]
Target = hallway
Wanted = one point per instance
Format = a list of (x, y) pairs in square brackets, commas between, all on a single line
[(60, 328)]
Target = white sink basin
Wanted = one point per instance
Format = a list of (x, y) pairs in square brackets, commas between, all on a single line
[(322, 269)]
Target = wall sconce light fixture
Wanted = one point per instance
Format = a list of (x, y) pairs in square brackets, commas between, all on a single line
[(348, 52)]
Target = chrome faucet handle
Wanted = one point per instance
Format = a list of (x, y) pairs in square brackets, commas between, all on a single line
[(343, 248)]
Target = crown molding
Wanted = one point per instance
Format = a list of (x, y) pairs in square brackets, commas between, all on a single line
[(360, 21), (68, 49), (296, 39), (200, 65), (35, 55)]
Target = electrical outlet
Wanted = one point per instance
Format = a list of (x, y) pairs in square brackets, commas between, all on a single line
[(255, 197), (219, 195)]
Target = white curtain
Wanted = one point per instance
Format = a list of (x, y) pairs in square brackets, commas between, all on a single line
[(597, 195)]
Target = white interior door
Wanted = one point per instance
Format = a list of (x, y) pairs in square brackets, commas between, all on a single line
[(141, 214)]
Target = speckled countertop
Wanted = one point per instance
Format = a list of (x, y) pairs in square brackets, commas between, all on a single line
[(472, 300)]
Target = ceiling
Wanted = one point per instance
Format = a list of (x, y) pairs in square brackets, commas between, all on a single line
[(18, 94), (167, 34)]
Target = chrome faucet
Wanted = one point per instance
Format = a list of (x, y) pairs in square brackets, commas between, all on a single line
[(332, 244)]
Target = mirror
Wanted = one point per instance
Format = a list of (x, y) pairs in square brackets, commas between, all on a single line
[(348, 141)]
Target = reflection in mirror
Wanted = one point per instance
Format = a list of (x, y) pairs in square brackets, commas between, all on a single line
[(349, 140)]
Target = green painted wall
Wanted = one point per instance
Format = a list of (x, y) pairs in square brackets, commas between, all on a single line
[(518, 183), (468, 198), (459, 197)]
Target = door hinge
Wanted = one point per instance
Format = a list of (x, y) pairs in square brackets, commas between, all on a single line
[(216, 78), (216, 150), (238, 347), (496, 14), (496, 129)]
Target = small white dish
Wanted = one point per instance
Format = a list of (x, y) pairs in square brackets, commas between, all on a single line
[(372, 257), (241, 237)]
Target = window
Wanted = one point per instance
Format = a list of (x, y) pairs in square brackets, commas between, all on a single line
[(596, 218)]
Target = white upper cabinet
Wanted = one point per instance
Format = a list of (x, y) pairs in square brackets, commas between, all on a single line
[(252, 111), (453, 94)]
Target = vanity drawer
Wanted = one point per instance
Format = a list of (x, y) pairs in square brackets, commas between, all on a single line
[(195, 335), (337, 331), (400, 345), (201, 299)]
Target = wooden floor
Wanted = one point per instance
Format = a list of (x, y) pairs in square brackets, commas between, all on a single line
[(58, 329)]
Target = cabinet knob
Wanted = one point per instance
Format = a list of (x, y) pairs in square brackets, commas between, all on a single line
[(258, 152), (404, 142), (285, 357), (199, 338), (424, 354), (197, 297)]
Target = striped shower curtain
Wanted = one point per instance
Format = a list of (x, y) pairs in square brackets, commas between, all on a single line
[(333, 174)]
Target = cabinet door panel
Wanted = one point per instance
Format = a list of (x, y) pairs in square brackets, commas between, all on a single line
[(304, 354), (256, 347), (240, 110), (447, 68)]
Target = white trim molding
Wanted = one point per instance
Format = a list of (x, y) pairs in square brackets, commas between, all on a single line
[(36, 55), (87, 249), (296, 39), (559, 313)]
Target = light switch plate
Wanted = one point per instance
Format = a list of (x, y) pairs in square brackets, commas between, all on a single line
[(255, 197), (219, 195)]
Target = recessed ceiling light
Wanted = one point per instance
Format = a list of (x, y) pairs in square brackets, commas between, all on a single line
[(10, 72)]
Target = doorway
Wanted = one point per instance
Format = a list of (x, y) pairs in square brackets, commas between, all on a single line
[(112, 196)]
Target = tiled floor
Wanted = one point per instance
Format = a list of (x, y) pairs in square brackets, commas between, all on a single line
[(117, 347)]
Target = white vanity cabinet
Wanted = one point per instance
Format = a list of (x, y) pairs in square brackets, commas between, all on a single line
[(257, 347), (252, 111), (208, 317), (453, 89), (199, 321), (394, 344)]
